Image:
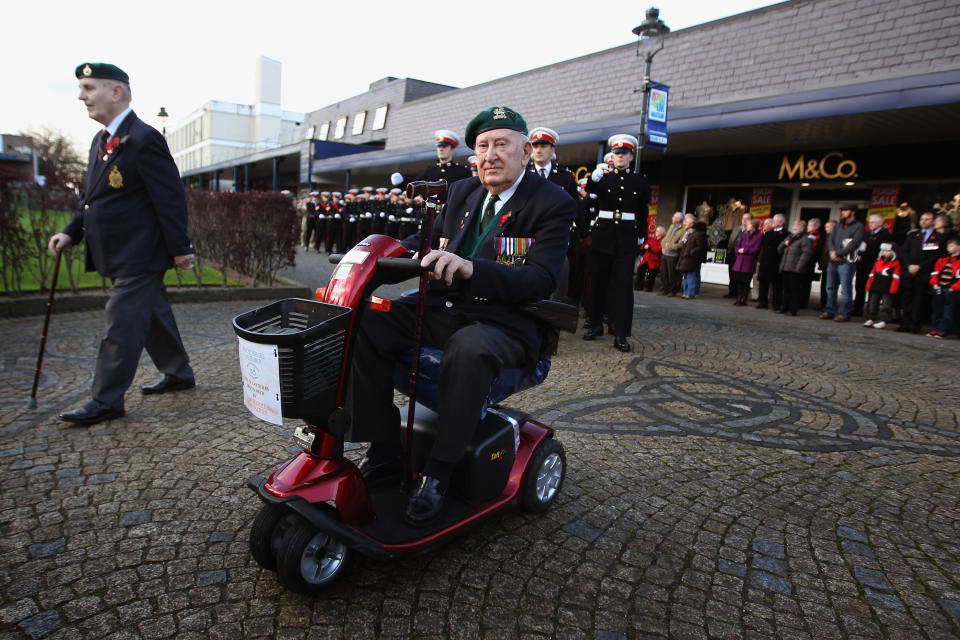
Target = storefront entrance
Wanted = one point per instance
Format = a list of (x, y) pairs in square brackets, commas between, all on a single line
[(825, 209)]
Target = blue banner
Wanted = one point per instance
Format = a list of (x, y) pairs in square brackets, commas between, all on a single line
[(657, 116)]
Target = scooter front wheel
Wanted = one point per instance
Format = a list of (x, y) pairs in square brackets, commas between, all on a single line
[(310, 560), (266, 534)]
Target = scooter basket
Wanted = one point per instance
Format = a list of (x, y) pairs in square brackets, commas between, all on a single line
[(311, 338)]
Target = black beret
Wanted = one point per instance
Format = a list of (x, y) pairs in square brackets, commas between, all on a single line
[(494, 118), (101, 70)]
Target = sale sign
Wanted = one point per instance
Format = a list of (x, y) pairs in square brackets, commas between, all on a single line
[(883, 202), (761, 202)]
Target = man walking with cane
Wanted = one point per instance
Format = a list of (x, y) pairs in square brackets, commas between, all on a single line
[(134, 219)]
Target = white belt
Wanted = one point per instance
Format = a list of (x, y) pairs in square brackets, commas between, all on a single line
[(408, 219), (616, 215)]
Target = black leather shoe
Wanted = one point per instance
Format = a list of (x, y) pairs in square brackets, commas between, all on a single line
[(91, 413), (374, 474), (167, 384), (621, 344), (425, 503), (593, 333)]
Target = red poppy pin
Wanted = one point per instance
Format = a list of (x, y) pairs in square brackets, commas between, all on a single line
[(504, 218), (114, 143)]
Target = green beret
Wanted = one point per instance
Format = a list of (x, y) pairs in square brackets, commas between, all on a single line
[(101, 70), (494, 118)]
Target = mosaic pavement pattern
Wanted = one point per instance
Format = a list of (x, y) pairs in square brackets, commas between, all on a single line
[(739, 475)]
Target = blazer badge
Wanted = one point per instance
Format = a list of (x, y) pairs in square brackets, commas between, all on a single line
[(115, 179)]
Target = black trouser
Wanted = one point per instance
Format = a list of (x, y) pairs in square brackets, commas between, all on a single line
[(646, 277), (794, 287), (311, 226), (138, 316), (880, 302), (915, 290), (473, 356), (611, 289), (769, 276), (669, 280), (860, 287)]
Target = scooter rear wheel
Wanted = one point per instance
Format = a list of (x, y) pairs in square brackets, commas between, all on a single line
[(310, 560), (544, 476), (267, 532)]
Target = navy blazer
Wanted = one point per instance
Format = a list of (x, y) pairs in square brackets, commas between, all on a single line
[(497, 292), (134, 213)]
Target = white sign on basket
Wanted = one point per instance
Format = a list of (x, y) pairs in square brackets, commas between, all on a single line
[(260, 368)]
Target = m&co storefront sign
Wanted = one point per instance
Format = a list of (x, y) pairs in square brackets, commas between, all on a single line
[(830, 166)]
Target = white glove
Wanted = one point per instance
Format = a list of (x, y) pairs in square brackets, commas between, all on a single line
[(598, 172), (396, 178)]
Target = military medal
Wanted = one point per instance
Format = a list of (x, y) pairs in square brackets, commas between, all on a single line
[(115, 178)]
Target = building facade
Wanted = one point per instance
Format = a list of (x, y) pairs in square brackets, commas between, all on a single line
[(794, 108)]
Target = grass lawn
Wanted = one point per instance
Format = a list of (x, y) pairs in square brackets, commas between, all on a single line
[(31, 284), (92, 280)]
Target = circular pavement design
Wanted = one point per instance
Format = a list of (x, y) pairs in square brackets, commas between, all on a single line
[(667, 398)]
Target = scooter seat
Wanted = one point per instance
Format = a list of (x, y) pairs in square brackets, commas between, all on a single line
[(509, 382)]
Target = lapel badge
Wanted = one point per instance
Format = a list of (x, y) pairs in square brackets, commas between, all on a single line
[(87, 71), (115, 179)]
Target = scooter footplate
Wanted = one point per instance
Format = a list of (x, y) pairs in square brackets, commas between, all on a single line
[(389, 503)]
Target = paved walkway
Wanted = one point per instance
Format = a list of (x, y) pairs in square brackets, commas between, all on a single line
[(739, 475)]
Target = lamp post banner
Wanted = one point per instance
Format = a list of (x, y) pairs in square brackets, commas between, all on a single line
[(657, 116)]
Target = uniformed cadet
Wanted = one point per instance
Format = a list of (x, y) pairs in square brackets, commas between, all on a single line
[(323, 209), (378, 207), (621, 221), (444, 168), (335, 222), (543, 160), (310, 220), (473, 165), (391, 226), (365, 214)]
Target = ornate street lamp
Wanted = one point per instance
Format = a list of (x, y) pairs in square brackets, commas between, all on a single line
[(163, 115), (651, 27)]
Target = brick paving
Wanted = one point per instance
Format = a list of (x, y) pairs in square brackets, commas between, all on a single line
[(739, 475)]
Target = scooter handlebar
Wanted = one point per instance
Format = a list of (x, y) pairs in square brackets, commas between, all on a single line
[(401, 265)]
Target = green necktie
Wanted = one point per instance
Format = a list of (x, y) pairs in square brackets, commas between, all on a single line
[(488, 212)]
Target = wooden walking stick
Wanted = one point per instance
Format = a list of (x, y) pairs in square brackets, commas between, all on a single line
[(32, 403), (432, 191)]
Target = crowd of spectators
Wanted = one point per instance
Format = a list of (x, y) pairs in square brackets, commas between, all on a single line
[(909, 276)]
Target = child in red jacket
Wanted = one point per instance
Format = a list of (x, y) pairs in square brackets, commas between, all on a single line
[(945, 280), (883, 284)]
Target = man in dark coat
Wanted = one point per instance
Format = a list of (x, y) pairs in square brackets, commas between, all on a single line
[(622, 198), (768, 268), (502, 239), (134, 219), (921, 249)]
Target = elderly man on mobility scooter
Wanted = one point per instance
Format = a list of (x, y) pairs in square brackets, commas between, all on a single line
[(502, 240)]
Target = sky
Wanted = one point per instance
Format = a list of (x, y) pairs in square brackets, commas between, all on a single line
[(181, 54)]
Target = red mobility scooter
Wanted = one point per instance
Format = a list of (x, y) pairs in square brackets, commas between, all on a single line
[(317, 509)]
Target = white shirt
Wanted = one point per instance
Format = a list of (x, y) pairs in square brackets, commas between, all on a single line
[(506, 195), (115, 123), (546, 168)]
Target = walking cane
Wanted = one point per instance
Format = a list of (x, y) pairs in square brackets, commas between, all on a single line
[(432, 190), (32, 403)]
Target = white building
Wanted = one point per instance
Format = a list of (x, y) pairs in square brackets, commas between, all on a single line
[(220, 131)]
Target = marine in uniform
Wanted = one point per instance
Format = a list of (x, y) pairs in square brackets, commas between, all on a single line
[(133, 218), (444, 168), (622, 198), (543, 162), (313, 208)]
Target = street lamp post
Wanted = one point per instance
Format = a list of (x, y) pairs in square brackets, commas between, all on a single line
[(651, 27), (163, 115)]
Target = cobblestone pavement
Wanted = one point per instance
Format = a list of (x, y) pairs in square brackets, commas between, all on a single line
[(739, 475)]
